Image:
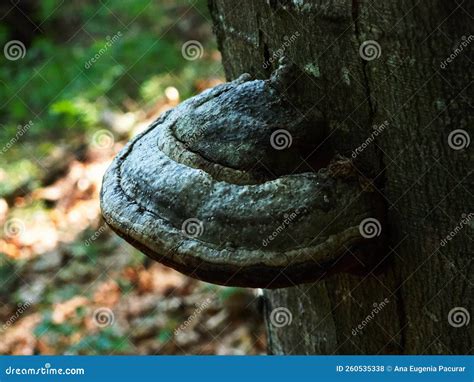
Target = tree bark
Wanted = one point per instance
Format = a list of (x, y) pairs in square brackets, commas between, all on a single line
[(425, 183)]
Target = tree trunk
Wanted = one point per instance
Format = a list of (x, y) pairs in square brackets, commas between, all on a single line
[(420, 302)]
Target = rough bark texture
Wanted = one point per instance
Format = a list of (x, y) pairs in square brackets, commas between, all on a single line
[(426, 184)]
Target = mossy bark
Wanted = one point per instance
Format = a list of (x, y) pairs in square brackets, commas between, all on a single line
[(427, 185)]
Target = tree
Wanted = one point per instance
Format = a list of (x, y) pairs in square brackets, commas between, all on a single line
[(403, 67)]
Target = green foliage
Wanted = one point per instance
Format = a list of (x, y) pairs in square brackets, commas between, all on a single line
[(66, 292), (20, 172), (91, 57), (7, 273), (104, 342), (53, 330), (165, 335)]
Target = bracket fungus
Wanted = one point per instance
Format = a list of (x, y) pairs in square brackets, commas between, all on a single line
[(217, 189)]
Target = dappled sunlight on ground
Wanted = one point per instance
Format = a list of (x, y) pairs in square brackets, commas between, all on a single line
[(86, 291), (68, 284)]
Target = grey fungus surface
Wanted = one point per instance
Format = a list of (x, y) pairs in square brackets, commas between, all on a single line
[(203, 190)]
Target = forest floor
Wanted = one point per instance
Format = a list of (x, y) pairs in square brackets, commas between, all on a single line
[(92, 75), (71, 286)]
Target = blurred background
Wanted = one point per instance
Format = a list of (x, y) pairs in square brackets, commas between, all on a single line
[(78, 79)]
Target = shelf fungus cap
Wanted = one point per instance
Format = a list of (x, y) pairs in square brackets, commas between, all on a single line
[(209, 189)]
